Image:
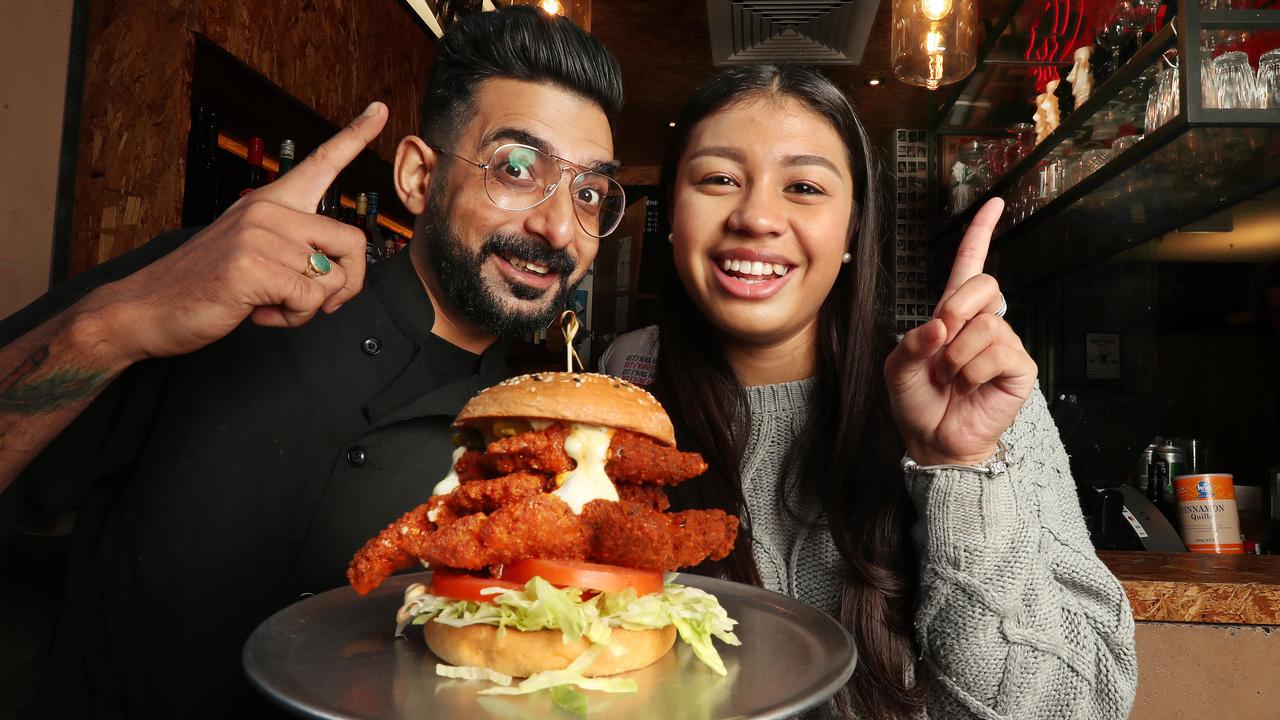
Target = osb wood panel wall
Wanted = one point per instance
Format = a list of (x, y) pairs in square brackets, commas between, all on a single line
[(334, 55), (133, 127)]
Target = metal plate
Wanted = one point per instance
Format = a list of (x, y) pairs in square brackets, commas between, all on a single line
[(335, 656)]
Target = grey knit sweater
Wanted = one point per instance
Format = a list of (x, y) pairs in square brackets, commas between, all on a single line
[(1017, 618)]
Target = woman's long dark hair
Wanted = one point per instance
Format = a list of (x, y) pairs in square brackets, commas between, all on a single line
[(846, 457)]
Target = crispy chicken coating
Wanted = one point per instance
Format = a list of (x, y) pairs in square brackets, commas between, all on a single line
[(472, 466), (503, 511), (700, 534), (635, 458), (541, 526), (392, 549), (458, 545), (489, 495), (538, 450), (654, 496), (628, 534)]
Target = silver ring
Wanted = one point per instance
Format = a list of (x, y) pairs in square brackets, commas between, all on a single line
[(318, 264), (1004, 307)]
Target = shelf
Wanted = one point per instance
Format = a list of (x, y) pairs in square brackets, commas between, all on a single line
[(1200, 161), (1075, 126), (271, 163), (1178, 175), (998, 87), (250, 105)]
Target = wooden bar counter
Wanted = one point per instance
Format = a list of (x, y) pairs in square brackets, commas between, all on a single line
[(1190, 588), (1208, 633)]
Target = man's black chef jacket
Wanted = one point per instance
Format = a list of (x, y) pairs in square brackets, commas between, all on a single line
[(216, 488)]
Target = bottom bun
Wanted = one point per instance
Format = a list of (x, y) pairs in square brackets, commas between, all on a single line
[(521, 654)]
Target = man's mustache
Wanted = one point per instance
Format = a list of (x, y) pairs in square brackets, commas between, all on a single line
[(529, 250)]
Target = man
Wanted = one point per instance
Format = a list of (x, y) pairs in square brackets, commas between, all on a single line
[(227, 468)]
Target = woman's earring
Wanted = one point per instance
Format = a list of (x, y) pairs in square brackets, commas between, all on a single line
[(671, 238), (846, 258)]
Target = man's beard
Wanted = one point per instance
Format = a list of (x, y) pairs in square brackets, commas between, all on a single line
[(458, 270)]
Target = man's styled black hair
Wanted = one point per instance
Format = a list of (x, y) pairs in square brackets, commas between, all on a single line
[(520, 43)]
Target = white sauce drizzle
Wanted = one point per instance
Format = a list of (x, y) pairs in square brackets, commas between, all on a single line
[(588, 445)]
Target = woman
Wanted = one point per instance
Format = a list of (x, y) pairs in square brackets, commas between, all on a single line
[(963, 569)]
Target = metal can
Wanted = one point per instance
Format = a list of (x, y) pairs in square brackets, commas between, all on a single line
[(1171, 456), (1207, 514), (1144, 462), (1192, 453)]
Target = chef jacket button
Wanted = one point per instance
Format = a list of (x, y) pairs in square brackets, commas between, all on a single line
[(371, 346), (356, 456)]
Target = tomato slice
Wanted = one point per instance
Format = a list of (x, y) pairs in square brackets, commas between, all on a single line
[(585, 575), (465, 586)]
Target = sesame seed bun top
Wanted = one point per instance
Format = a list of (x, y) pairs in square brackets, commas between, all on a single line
[(586, 398)]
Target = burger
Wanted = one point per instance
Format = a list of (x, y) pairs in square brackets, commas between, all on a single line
[(551, 537)]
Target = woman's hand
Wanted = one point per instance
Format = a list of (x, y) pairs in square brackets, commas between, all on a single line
[(957, 382)]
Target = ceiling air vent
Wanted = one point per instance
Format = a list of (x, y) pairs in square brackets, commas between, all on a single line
[(824, 32)]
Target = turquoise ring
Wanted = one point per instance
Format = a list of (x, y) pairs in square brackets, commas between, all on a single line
[(318, 264)]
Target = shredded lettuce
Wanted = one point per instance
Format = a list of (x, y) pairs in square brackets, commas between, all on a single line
[(472, 673), (571, 675), (696, 615), (561, 683), (569, 699)]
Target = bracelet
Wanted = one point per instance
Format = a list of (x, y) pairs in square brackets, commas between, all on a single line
[(999, 464)]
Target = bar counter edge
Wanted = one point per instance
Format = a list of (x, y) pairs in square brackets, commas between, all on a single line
[(1192, 588)]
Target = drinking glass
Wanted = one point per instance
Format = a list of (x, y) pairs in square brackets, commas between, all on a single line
[(995, 159), (1269, 79), (1121, 144), (1208, 78), (991, 160), (1025, 135), (1237, 85), (1009, 147), (1093, 161), (1162, 102), (1051, 177)]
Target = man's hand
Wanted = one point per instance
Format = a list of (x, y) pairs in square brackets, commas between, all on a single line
[(251, 262), (957, 382)]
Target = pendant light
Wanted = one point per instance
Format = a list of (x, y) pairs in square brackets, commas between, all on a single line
[(935, 42)]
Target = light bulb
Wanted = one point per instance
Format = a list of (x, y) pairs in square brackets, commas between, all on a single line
[(935, 72), (935, 9), (933, 42), (552, 7)]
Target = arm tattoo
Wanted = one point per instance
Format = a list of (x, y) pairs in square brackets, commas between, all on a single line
[(59, 388)]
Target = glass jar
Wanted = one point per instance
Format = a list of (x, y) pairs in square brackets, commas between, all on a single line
[(970, 175), (1237, 85), (1269, 82), (1024, 135), (1050, 178)]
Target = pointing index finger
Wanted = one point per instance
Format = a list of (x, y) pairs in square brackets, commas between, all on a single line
[(971, 254), (304, 185)]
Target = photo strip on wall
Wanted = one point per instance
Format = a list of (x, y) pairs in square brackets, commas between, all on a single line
[(912, 304)]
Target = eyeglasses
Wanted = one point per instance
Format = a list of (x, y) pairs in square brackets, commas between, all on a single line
[(519, 177)]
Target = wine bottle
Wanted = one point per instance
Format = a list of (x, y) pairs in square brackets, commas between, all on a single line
[(331, 204), (286, 157), (257, 175), (374, 250), (200, 194)]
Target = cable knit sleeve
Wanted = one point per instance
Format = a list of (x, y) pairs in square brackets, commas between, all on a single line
[(1018, 617)]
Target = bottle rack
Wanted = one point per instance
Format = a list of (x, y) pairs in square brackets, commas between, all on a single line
[(250, 105)]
